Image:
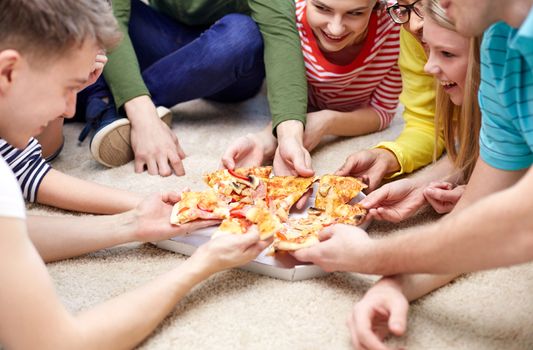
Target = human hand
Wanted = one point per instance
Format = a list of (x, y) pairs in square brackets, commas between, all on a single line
[(442, 196), (382, 311), (341, 248), (372, 165), (395, 201), (316, 127), (291, 158), (98, 68), (229, 250), (152, 219), (154, 144), (250, 150)]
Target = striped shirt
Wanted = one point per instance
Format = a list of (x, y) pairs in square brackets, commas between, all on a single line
[(28, 166), (506, 96), (371, 79)]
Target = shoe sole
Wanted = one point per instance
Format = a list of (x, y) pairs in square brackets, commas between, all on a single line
[(111, 145)]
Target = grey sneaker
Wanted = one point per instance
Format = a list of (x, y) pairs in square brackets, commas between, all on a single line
[(111, 144)]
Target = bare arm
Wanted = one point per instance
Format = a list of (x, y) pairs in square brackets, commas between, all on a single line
[(63, 237), (67, 192), (490, 227), (31, 320)]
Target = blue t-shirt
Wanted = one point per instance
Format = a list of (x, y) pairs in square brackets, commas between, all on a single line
[(506, 96)]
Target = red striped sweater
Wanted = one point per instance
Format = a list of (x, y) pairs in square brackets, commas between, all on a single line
[(371, 79)]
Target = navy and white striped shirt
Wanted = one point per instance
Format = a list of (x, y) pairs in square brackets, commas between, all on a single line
[(28, 166)]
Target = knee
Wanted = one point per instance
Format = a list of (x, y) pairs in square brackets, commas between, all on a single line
[(242, 34)]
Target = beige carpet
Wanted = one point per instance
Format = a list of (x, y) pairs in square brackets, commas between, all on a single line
[(242, 310)]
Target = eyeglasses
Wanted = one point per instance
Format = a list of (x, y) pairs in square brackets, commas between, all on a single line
[(402, 13)]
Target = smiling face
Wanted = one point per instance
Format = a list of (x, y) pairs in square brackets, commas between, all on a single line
[(31, 96), (448, 59), (338, 24)]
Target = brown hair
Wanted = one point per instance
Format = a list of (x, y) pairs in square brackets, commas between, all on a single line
[(45, 29), (460, 125)]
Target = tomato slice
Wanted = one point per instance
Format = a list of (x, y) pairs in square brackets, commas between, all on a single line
[(237, 214), (281, 236), (242, 177), (199, 206)]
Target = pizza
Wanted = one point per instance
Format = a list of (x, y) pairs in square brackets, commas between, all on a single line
[(251, 196), (241, 219), (334, 191), (232, 225), (300, 233), (240, 185), (283, 191), (205, 205)]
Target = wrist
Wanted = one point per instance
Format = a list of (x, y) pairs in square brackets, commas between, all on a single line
[(136, 109), (125, 226), (393, 165), (267, 141), (290, 129)]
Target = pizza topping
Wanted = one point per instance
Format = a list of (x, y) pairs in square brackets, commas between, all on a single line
[(250, 181), (314, 211), (238, 176), (324, 189)]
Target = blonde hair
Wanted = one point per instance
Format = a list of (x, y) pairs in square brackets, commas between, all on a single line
[(459, 125)]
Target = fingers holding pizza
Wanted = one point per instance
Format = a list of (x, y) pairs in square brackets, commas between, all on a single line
[(229, 250), (340, 248)]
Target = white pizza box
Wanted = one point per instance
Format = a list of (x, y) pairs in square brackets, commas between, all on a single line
[(281, 265)]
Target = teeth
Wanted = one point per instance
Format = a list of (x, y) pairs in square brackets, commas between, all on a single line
[(447, 83), (334, 37)]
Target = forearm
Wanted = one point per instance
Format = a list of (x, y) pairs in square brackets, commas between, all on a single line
[(66, 192), (284, 63), (417, 285), (122, 71), (84, 234), (359, 122), (123, 322), (442, 170), (493, 232)]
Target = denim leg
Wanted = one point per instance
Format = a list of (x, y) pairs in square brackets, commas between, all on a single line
[(155, 35), (225, 63)]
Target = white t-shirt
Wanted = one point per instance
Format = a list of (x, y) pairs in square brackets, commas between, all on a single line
[(11, 201)]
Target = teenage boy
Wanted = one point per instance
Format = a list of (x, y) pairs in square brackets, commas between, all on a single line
[(47, 51)]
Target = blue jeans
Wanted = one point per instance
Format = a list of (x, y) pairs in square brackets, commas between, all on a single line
[(223, 62)]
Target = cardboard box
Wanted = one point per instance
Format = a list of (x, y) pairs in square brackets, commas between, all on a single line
[(282, 265)]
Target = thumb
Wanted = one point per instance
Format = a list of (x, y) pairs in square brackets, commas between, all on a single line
[(303, 169), (373, 199), (398, 316), (228, 162), (325, 234), (345, 168), (250, 237)]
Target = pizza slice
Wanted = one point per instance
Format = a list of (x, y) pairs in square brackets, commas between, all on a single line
[(334, 191), (300, 233), (350, 214), (232, 225), (242, 217), (205, 205), (283, 191), (241, 185)]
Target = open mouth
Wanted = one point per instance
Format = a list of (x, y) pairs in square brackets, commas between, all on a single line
[(447, 85), (334, 38)]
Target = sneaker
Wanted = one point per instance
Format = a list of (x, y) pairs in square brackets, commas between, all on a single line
[(111, 144)]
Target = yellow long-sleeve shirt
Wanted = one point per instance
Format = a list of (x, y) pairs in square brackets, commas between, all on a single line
[(415, 145)]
